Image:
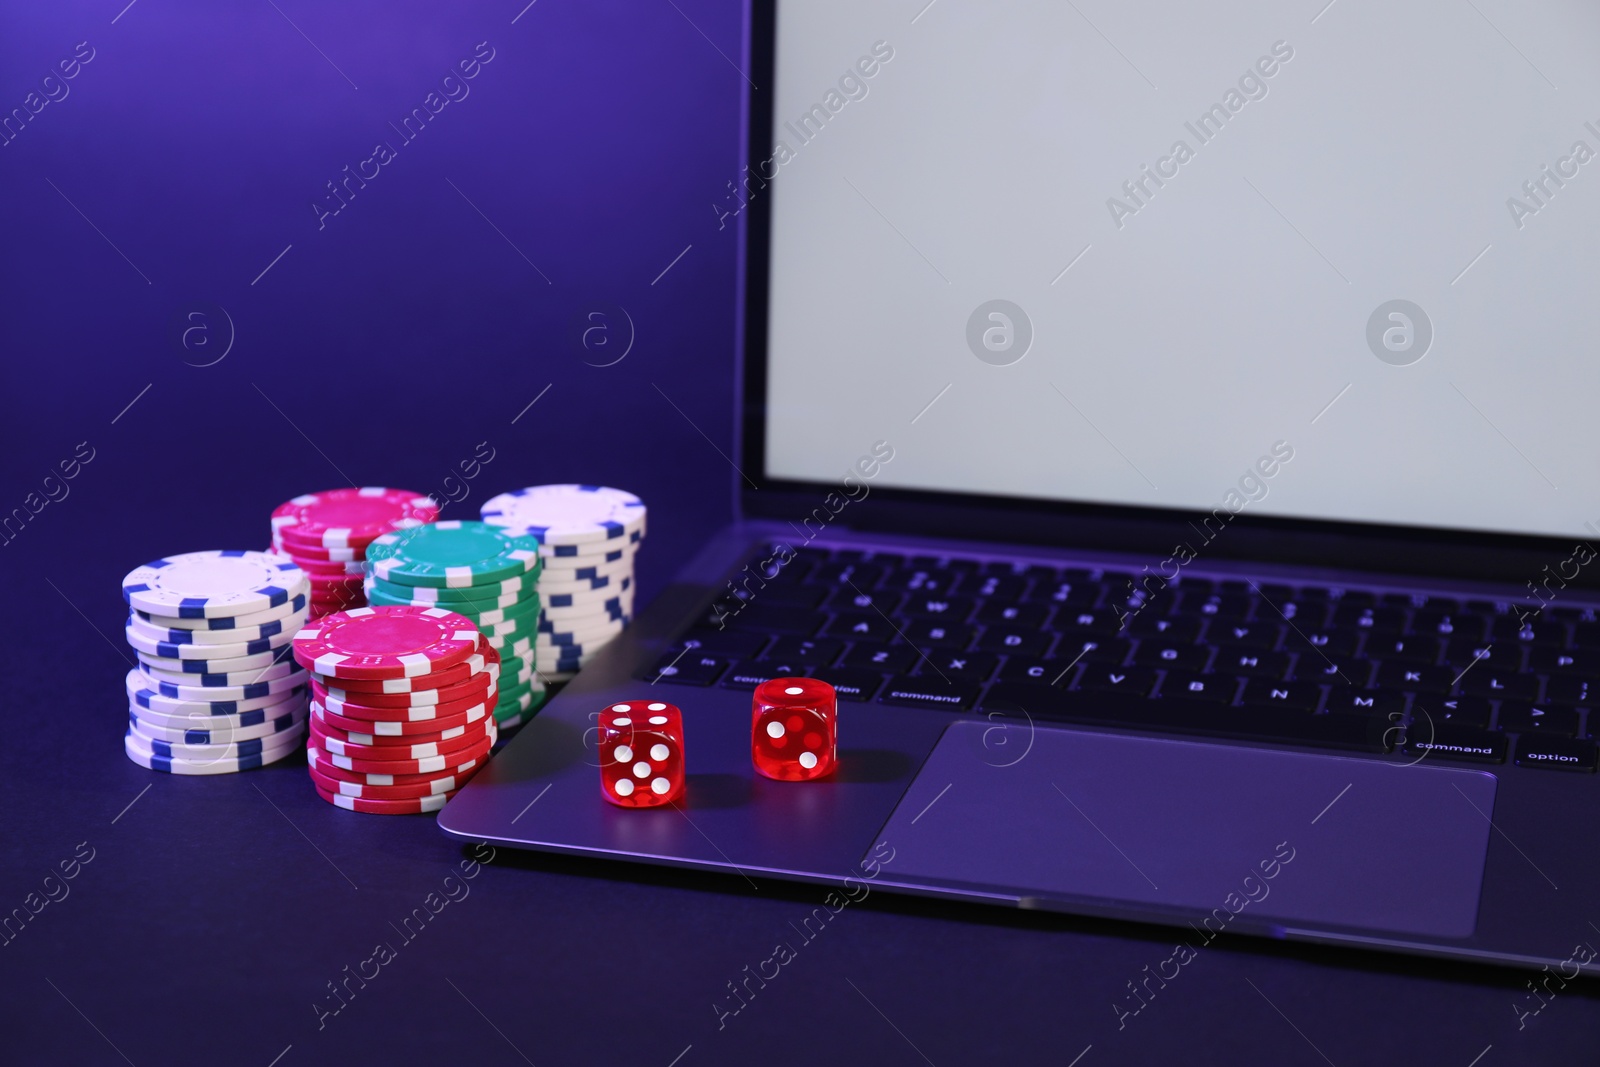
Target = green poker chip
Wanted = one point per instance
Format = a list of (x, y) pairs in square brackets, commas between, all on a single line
[(486, 595), (476, 610), (452, 555)]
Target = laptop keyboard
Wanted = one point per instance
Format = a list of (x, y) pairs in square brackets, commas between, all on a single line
[(1358, 669)]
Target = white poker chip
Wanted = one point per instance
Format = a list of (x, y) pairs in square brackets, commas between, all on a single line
[(217, 584), (569, 515), (229, 625), (141, 752), (263, 731)]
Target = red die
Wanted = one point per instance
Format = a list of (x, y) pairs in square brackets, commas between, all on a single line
[(794, 735), (641, 754)]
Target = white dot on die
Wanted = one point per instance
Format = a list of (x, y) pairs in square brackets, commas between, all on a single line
[(660, 785), (641, 769), (659, 752), (622, 722), (656, 707), (794, 690), (775, 730), (808, 760), (658, 720), (620, 707), (623, 753), (624, 788)]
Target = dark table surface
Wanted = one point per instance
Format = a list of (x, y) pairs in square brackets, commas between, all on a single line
[(209, 920)]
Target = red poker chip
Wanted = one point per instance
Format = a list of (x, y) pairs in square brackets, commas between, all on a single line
[(341, 518), (386, 642), (318, 761), (418, 806), (464, 673), (340, 703), (408, 729), (439, 786), (321, 555), (321, 569), (333, 744), (455, 763)]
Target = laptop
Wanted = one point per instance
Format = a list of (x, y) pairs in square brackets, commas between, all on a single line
[(1170, 430)]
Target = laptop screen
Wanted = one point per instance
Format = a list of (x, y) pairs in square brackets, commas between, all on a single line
[(1335, 264)]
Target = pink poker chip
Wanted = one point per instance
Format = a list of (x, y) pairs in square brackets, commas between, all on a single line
[(348, 518), (385, 642)]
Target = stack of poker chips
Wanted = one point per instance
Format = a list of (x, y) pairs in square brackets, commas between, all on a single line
[(400, 708), (327, 534), (216, 689), (588, 536), (478, 571)]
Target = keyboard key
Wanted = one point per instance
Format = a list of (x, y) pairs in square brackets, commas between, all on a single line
[(862, 626), (1093, 651), (1348, 732), (1097, 623), (997, 587), (1080, 596), (1559, 753), (1486, 681), (1117, 680), (923, 582), (1219, 605), (1586, 635), (1262, 634), (1566, 690), (1182, 685), (936, 633), (1576, 661), (849, 683), (1507, 656), (1414, 677), (952, 608), (1176, 628), (971, 666), (1445, 741), (809, 649), (687, 668), (934, 692), (850, 575), (880, 658), (1033, 669), (1175, 657), (1553, 634), (750, 675), (1017, 639), (776, 618), (1340, 670), (1421, 649), (802, 596), (1300, 696), (1251, 662), (1458, 710), (1333, 643), (848, 600), (1448, 625), (730, 644), (1533, 718), (1027, 615), (1366, 702), (1369, 619)]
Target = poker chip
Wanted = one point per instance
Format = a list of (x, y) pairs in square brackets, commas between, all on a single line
[(452, 763), (318, 760), (339, 743), (215, 664), (555, 572), (378, 595), (435, 787), (598, 551), (208, 729), (215, 584), (139, 637), (270, 747), (462, 674), (142, 692), (221, 679), (444, 596), (213, 694), (326, 534), (418, 806), (141, 753), (295, 605), (364, 732), (385, 642), (568, 514), (421, 703), (283, 629), (452, 554)]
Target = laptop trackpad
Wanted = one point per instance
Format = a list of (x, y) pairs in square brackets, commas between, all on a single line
[(1286, 836)]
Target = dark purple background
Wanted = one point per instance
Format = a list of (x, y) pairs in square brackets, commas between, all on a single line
[(381, 350)]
